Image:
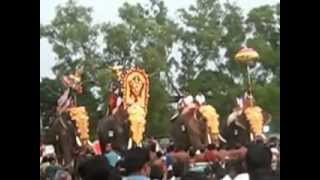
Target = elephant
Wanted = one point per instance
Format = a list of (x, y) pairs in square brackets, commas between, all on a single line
[(114, 129), (190, 129), (238, 129), (62, 135)]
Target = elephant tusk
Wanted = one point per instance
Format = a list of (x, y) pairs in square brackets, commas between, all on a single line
[(222, 139), (130, 143), (158, 148), (251, 137), (209, 139), (78, 141)]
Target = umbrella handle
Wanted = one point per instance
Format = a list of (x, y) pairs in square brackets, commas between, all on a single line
[(249, 78)]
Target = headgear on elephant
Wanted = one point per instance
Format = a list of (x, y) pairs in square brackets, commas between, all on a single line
[(200, 99), (188, 100)]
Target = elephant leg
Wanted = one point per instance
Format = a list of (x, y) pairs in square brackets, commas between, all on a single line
[(67, 148)]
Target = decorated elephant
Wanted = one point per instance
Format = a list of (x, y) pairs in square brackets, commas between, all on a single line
[(246, 122), (124, 124), (196, 124), (69, 129), (62, 135)]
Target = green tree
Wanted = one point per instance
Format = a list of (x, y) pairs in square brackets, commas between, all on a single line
[(50, 91)]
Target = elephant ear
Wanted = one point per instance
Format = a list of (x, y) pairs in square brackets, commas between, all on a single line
[(267, 117), (242, 122), (232, 118)]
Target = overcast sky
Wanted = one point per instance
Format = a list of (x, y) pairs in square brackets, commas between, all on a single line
[(106, 11)]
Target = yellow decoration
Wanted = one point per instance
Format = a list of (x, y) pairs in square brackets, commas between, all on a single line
[(255, 118), (136, 88), (246, 55), (137, 119), (80, 116), (212, 118)]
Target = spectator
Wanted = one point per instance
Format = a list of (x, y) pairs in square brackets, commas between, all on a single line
[(112, 156), (178, 170), (62, 175), (192, 154), (52, 168), (194, 176), (212, 154), (237, 170), (97, 168), (169, 158), (43, 166), (156, 173), (258, 161), (136, 163)]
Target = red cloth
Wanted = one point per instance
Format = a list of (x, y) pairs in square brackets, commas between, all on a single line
[(211, 155), (97, 148), (238, 153), (112, 102)]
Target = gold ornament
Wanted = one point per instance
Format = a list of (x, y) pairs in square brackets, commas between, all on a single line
[(137, 120), (255, 118), (212, 118), (135, 88), (246, 56), (80, 116)]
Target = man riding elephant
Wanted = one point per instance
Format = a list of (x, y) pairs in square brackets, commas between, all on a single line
[(124, 123), (113, 128)]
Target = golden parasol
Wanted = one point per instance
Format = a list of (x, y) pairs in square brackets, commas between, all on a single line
[(247, 56)]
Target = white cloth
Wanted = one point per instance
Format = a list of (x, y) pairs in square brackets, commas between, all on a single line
[(227, 177), (49, 149), (201, 99), (119, 101), (243, 176), (188, 100), (240, 102)]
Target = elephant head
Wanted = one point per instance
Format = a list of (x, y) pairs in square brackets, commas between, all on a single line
[(114, 129), (209, 115), (187, 130), (251, 120)]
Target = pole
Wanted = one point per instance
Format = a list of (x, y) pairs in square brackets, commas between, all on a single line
[(249, 79)]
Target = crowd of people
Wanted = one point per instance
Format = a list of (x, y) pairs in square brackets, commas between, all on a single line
[(258, 160)]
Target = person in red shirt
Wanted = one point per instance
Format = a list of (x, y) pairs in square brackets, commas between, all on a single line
[(211, 155)]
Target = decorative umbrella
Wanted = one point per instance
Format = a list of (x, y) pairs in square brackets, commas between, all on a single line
[(247, 56)]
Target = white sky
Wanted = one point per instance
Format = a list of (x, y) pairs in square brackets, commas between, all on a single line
[(107, 11)]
